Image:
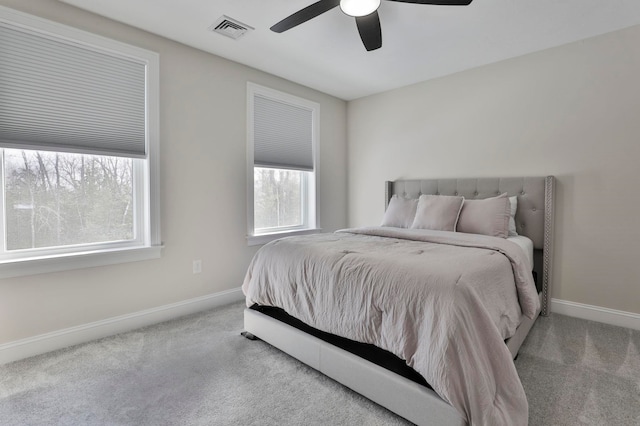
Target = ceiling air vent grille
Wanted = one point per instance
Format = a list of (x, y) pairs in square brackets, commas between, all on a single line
[(230, 27)]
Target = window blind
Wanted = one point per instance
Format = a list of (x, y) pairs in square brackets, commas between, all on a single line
[(283, 135), (57, 95)]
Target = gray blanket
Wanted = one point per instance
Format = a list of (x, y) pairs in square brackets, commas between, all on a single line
[(442, 301)]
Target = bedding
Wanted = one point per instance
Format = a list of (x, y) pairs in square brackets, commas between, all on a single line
[(489, 216), (526, 245), (400, 213), (444, 302), (512, 215), (438, 212)]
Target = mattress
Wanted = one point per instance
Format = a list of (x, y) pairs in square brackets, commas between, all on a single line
[(526, 245)]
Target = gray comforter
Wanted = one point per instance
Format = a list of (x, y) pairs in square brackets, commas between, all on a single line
[(442, 301)]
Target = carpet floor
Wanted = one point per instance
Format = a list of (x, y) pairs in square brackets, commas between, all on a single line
[(198, 370)]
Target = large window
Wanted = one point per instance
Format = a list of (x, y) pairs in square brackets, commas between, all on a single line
[(56, 200), (78, 148), (282, 141)]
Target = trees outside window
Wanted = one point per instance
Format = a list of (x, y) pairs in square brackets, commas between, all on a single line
[(278, 200), (58, 199)]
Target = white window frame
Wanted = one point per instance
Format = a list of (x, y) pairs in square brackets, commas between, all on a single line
[(148, 244), (311, 220)]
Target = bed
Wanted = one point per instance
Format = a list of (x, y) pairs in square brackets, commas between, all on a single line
[(306, 334)]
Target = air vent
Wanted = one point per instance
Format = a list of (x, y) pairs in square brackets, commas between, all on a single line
[(230, 27)]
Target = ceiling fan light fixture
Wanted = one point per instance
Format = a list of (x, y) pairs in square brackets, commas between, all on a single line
[(359, 8)]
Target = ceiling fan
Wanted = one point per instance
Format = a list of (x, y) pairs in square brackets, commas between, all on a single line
[(365, 12)]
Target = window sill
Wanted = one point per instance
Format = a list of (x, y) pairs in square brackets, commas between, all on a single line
[(255, 240), (42, 265)]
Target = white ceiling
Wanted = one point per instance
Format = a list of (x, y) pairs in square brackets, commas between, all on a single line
[(419, 42)]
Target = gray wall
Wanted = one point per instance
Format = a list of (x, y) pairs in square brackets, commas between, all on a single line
[(203, 168), (571, 111)]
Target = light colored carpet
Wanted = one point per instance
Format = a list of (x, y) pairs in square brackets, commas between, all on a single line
[(578, 372), (198, 370)]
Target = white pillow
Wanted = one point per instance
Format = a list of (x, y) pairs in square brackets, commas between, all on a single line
[(512, 218), (400, 212)]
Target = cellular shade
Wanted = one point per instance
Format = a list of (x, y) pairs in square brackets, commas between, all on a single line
[(282, 135), (58, 95)]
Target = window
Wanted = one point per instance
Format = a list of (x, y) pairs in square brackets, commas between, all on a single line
[(279, 196), (78, 148), (282, 164), (56, 200)]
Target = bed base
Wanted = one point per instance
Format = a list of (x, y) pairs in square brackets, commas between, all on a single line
[(515, 341), (404, 397), (398, 394)]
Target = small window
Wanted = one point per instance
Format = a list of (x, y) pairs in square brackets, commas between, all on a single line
[(282, 141), (78, 148), (279, 199)]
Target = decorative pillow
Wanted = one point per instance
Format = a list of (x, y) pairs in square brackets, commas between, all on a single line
[(512, 217), (487, 217), (438, 212), (400, 212)]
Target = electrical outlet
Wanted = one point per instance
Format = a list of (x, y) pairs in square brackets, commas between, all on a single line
[(197, 266)]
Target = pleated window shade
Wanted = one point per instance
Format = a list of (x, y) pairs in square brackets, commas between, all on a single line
[(56, 95), (283, 135)]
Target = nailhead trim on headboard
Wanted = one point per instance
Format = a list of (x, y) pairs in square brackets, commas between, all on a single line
[(547, 250)]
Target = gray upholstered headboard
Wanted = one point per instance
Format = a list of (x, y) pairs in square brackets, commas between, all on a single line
[(534, 217)]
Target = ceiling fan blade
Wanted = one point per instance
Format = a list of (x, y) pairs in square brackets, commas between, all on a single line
[(370, 31), (438, 2), (303, 15)]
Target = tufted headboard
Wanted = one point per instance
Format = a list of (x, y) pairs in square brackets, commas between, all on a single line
[(534, 217)]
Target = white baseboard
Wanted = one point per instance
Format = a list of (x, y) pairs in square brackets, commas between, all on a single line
[(59, 339), (596, 313)]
